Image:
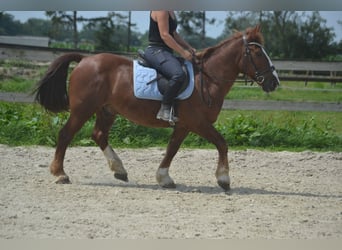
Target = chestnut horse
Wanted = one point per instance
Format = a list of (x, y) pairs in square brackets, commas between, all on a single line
[(102, 84)]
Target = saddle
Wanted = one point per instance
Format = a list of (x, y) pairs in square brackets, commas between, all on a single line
[(162, 82)]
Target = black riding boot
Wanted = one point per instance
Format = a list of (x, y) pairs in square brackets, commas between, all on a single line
[(166, 112)]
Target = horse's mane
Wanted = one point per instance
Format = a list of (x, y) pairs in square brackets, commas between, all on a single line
[(252, 35)]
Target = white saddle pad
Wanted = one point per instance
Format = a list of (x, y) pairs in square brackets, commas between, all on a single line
[(142, 75)]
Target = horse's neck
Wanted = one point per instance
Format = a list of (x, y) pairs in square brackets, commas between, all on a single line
[(222, 68)]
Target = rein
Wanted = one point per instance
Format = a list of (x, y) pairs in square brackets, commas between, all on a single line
[(200, 67), (202, 85)]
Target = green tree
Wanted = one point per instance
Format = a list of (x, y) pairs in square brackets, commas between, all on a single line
[(238, 21), (193, 27), (104, 35), (36, 27), (109, 33), (316, 37), (288, 34), (64, 22), (9, 26), (115, 32), (281, 31)]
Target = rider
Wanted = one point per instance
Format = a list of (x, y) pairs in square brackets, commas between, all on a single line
[(163, 40)]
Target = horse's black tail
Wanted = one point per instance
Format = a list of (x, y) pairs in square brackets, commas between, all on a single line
[(51, 91)]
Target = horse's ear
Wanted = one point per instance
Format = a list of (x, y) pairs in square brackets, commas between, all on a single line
[(256, 34), (257, 28)]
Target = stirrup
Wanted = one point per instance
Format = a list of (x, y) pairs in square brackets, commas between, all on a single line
[(167, 115), (172, 118)]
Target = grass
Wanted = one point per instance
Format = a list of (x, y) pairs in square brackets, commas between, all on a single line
[(19, 76), (16, 84)]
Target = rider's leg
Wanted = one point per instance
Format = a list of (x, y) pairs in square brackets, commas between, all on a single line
[(170, 67), (172, 70)]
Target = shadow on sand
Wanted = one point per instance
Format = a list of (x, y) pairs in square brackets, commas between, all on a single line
[(210, 190)]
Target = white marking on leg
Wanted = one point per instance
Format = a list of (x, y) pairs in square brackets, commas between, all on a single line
[(163, 177), (222, 175), (223, 179), (115, 163)]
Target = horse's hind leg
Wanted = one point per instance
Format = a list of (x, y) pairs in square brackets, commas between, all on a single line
[(66, 134), (104, 121)]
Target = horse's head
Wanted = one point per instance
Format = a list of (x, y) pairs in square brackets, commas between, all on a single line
[(256, 63)]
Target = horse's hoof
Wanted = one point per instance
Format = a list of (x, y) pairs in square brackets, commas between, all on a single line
[(163, 178), (63, 179), (121, 177), (224, 185)]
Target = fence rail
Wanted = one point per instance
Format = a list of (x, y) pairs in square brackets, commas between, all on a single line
[(309, 71)]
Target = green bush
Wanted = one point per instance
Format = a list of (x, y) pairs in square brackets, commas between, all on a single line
[(30, 125), (248, 130)]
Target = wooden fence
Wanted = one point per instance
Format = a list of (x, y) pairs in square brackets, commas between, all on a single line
[(309, 71)]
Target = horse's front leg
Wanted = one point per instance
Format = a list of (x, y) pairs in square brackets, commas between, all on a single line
[(163, 177), (208, 132)]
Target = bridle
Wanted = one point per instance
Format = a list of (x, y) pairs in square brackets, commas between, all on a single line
[(258, 75)]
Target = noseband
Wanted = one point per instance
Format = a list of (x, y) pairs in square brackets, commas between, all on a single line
[(259, 74)]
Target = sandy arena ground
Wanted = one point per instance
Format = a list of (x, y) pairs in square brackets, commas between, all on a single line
[(277, 195)]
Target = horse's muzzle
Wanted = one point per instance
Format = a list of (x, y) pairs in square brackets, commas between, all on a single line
[(270, 83)]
